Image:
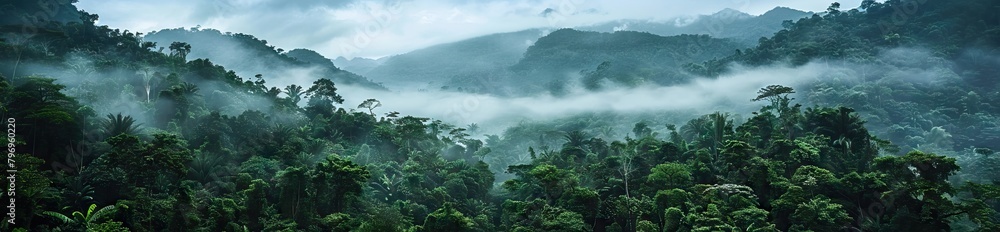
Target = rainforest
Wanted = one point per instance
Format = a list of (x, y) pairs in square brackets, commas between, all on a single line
[(500, 115)]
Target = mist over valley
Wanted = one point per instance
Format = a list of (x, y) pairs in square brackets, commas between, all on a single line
[(501, 115)]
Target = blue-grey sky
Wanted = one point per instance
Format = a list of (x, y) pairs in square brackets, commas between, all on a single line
[(376, 28)]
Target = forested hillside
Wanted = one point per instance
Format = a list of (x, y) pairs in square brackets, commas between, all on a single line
[(926, 77), (622, 58), (248, 56), (358, 65), (108, 131), (526, 62), (459, 64), (728, 23)]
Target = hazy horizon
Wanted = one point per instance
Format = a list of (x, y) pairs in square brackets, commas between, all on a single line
[(375, 29), (501, 115)]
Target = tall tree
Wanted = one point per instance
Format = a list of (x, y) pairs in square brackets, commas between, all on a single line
[(294, 93), (322, 97), (447, 219), (117, 124), (180, 49), (164, 158), (335, 183), (370, 104)]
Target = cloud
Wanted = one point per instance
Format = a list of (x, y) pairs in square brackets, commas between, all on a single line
[(376, 28), (730, 93)]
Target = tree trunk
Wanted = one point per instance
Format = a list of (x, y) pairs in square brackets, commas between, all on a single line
[(13, 73)]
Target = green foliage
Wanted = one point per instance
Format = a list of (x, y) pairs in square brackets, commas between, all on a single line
[(89, 220), (447, 219), (260, 167), (385, 218), (54, 116), (624, 58), (256, 202), (110, 226), (322, 96), (646, 226), (476, 64), (146, 162), (556, 219), (335, 182), (118, 124), (672, 219), (819, 214), (218, 152), (669, 176), (727, 23), (250, 54)]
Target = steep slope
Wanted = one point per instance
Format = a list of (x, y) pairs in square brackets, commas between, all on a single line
[(44, 13), (728, 23), (212, 151), (249, 56), (948, 29), (436, 64), (309, 56), (625, 57), (68, 79), (927, 80), (511, 63)]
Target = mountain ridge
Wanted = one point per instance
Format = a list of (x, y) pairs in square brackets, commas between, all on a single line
[(727, 23), (485, 52), (249, 56)]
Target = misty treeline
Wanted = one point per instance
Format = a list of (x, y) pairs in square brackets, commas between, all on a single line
[(118, 134), (727, 23), (233, 49), (558, 61)]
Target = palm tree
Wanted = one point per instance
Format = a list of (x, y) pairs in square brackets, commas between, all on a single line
[(79, 192), (86, 220), (189, 89), (118, 124), (694, 129), (720, 127), (847, 134), (180, 49), (207, 168), (457, 134), (839, 124), (294, 93), (472, 128), (575, 139), (387, 186)]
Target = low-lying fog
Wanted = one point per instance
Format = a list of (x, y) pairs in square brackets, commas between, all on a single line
[(731, 93)]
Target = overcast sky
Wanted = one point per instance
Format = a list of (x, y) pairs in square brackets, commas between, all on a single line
[(376, 28)]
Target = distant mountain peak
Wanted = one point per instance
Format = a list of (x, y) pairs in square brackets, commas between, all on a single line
[(730, 13), (547, 12), (310, 56), (342, 58), (248, 55), (784, 10)]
